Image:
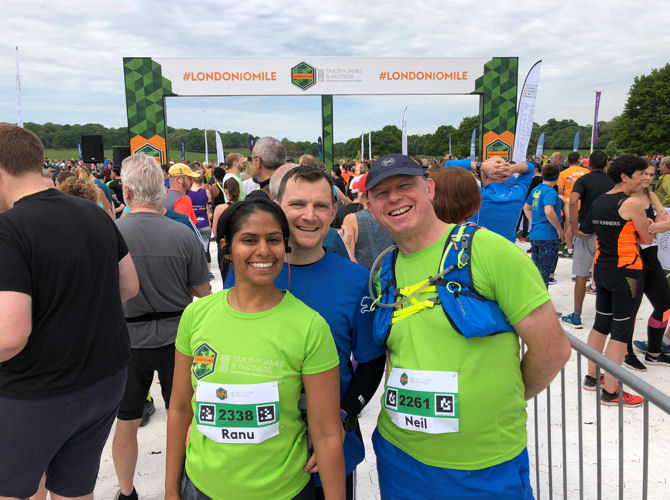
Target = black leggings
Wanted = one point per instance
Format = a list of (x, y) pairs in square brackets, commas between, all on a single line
[(657, 290), (619, 293)]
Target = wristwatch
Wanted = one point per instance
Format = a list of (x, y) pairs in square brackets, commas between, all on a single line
[(348, 422), (478, 167)]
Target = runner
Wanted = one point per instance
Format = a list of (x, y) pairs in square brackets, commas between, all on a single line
[(656, 285), (453, 412), (243, 356), (620, 224)]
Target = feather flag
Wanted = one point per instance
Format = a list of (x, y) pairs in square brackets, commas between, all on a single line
[(220, 156)]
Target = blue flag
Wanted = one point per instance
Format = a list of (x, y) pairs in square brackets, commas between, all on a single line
[(251, 143), (183, 151), (79, 148), (575, 143), (320, 143), (472, 144), (449, 145), (540, 146)]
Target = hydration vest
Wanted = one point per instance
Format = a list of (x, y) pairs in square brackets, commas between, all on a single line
[(468, 312)]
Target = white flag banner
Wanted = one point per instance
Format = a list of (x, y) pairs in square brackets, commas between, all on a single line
[(220, 156), (206, 151), (362, 146), (370, 145), (404, 132), (19, 111), (526, 113)]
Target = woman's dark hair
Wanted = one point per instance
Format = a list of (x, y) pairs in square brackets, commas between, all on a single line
[(625, 164), (233, 188), (232, 219)]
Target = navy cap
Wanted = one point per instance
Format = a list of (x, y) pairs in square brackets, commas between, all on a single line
[(390, 165)]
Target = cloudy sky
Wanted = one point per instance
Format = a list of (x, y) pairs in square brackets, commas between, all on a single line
[(71, 56)]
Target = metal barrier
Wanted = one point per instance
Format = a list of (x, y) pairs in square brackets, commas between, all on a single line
[(542, 460)]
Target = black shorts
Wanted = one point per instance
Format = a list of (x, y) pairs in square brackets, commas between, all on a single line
[(62, 436), (619, 293), (141, 367)]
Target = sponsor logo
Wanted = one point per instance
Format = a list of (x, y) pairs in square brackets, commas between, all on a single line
[(388, 162), (404, 379), (204, 360), (303, 75), (221, 393)]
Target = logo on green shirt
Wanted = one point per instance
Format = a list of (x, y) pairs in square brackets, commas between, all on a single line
[(221, 393), (204, 360), (404, 379)]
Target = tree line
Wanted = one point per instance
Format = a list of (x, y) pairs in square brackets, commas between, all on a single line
[(641, 128)]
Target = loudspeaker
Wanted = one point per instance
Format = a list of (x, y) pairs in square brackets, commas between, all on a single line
[(91, 149), (120, 153)]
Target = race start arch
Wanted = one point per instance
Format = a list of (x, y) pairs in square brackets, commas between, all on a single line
[(150, 80)]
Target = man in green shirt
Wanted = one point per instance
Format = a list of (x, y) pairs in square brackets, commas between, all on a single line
[(454, 408)]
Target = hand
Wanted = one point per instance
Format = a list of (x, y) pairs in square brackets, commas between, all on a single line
[(579, 234), (311, 466), (561, 236), (653, 228)]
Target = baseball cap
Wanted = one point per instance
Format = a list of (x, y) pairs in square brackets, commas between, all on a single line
[(390, 165), (180, 169)]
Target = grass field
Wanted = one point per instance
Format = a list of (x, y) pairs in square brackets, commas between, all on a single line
[(66, 154)]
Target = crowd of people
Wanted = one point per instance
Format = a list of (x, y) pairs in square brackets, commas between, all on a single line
[(334, 281)]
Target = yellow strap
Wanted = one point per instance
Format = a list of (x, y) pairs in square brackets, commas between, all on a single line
[(414, 308), (408, 290)]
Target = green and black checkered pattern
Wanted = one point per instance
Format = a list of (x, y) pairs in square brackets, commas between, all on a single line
[(498, 87), (145, 89), (327, 124)]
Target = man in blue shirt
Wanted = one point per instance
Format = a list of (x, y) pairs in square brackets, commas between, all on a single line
[(543, 210), (337, 289), (503, 187)]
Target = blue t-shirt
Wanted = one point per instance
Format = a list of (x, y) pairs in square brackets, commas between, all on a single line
[(105, 189), (540, 197), (337, 289), (333, 242), (502, 202)]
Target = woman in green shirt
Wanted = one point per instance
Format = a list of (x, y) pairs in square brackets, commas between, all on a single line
[(243, 356)]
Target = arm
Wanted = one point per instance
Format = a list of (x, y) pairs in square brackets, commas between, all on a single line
[(341, 196), (16, 325), (322, 391), (200, 290), (553, 220), (661, 214), (350, 224), (528, 211), (215, 218), (632, 209), (574, 214), (363, 385), (180, 416), (128, 280), (548, 349), (106, 205)]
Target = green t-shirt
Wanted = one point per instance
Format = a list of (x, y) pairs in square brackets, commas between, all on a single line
[(473, 385), (247, 380)]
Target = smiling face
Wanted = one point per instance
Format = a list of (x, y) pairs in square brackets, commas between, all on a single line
[(309, 209), (402, 204), (257, 249)]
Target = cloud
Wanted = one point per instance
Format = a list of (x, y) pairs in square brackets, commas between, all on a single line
[(71, 55)]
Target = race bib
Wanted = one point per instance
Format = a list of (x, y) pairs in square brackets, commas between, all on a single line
[(237, 413), (423, 401)]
